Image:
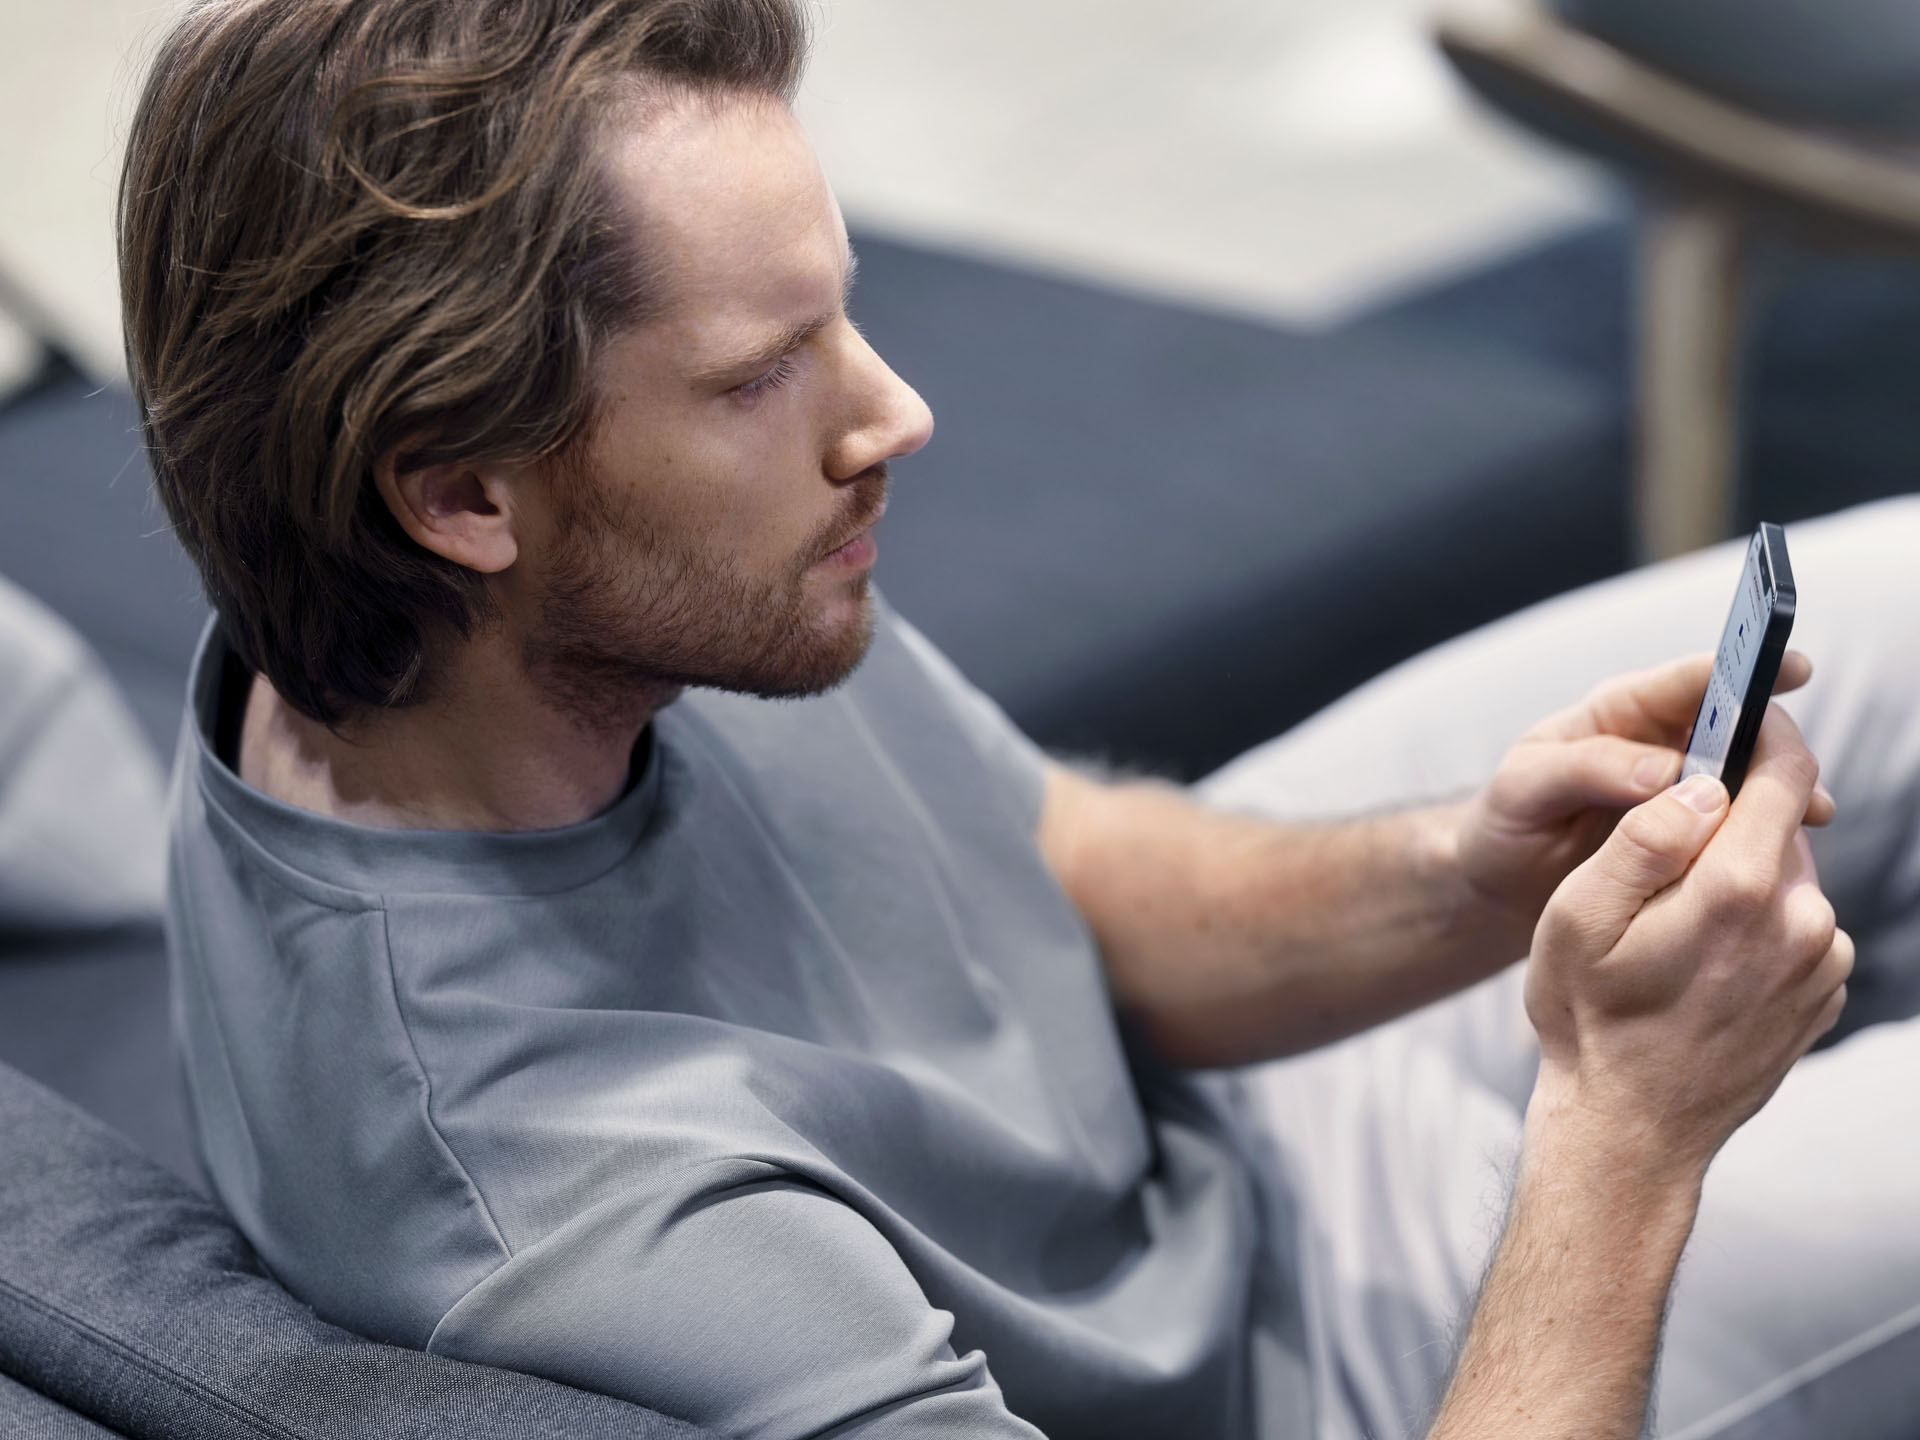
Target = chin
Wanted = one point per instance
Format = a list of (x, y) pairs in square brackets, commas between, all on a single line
[(831, 646), (700, 628)]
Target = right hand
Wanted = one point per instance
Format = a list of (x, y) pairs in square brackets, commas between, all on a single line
[(1680, 971)]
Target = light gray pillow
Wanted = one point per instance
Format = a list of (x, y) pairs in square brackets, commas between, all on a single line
[(82, 835)]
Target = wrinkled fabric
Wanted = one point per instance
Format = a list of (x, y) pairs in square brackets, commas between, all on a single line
[(28, 1415), (131, 1301)]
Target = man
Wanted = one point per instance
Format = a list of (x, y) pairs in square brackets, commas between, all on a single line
[(553, 998)]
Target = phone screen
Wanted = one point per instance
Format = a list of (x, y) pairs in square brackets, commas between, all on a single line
[(1732, 673)]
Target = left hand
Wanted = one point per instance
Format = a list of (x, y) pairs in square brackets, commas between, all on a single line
[(1566, 783)]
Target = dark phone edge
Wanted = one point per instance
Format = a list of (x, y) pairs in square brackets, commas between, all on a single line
[(1766, 665), (1773, 544)]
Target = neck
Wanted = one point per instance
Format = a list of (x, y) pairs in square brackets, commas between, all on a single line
[(489, 751)]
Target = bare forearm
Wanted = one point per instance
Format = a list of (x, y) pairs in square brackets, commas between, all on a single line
[(1230, 939), (1563, 1340)]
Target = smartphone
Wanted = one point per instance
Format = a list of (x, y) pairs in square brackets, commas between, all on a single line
[(1746, 665)]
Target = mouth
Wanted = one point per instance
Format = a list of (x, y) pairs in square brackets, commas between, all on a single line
[(858, 550)]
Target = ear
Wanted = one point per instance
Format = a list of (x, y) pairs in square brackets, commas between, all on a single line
[(457, 509)]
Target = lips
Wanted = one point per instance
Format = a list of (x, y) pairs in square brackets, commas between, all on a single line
[(860, 530)]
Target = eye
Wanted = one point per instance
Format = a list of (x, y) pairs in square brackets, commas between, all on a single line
[(781, 372)]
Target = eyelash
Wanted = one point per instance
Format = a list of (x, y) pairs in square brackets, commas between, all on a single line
[(776, 377)]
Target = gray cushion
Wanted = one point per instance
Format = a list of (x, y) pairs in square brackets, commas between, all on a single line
[(86, 1015), (1167, 535), (84, 534), (132, 1301), (28, 1415), (82, 838)]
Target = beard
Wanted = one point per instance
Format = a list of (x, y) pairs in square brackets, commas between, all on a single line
[(632, 616)]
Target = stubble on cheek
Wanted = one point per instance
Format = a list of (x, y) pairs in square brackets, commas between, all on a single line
[(630, 613)]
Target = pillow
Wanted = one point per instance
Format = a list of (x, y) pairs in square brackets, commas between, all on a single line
[(131, 1300), (82, 833)]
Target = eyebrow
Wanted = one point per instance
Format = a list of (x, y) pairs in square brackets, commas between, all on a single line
[(791, 338)]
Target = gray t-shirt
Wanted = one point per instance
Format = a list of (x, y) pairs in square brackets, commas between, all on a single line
[(785, 1096)]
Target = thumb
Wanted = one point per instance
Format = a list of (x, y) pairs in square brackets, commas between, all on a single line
[(1650, 848)]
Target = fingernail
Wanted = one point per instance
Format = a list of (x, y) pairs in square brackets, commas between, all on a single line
[(1821, 792), (1653, 771), (1702, 793)]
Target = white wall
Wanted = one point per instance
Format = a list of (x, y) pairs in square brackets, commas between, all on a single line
[(1292, 159)]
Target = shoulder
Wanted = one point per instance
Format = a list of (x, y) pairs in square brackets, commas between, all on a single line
[(906, 716)]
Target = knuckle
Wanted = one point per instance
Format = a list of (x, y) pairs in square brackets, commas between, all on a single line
[(1641, 828), (1779, 724), (1811, 927), (1737, 892), (1830, 1012), (1551, 930), (1790, 755), (1565, 922), (1645, 840), (1841, 956), (1801, 767)]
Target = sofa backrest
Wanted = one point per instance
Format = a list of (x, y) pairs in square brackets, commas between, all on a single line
[(131, 1300)]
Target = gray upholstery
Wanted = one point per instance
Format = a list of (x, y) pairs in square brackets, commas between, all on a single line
[(82, 533), (28, 1415), (129, 1299), (1166, 536), (81, 830), (87, 1015)]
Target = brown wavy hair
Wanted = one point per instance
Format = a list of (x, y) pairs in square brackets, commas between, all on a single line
[(348, 226)]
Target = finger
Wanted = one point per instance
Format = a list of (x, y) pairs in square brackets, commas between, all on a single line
[(1656, 706), (1649, 850), (1795, 670), (1820, 808), (1800, 871), (1546, 781), (1822, 997), (1776, 795), (1808, 926), (1824, 1019), (1838, 966), (1824, 991)]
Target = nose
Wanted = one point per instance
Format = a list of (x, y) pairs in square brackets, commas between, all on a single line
[(888, 418)]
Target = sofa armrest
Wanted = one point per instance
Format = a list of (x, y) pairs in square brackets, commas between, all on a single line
[(129, 1299)]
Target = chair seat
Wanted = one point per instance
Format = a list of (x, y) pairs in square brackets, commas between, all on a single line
[(1852, 63), (1592, 93)]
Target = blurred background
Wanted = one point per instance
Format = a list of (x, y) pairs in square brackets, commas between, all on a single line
[(1271, 342)]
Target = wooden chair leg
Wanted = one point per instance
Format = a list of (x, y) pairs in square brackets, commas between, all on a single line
[(1688, 364)]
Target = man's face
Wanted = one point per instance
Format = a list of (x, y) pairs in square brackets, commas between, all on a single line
[(713, 532)]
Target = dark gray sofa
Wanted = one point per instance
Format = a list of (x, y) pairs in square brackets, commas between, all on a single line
[(128, 1299)]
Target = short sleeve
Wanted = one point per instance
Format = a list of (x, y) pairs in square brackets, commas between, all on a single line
[(742, 1298), (1014, 759)]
